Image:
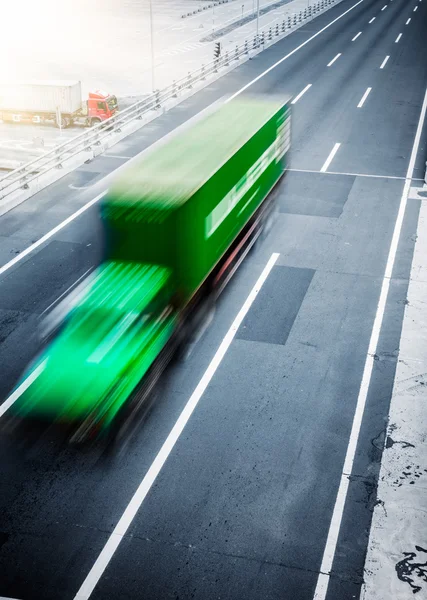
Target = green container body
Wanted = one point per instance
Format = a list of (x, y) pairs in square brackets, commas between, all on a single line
[(169, 218), (184, 203)]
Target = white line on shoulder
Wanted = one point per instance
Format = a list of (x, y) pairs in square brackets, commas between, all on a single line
[(335, 525)]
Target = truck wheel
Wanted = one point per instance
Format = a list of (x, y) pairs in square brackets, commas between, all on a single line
[(130, 418), (270, 220), (195, 327), (94, 122), (64, 123)]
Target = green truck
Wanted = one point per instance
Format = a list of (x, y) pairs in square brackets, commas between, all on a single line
[(178, 221)]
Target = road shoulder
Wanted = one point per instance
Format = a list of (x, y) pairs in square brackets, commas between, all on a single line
[(396, 564)]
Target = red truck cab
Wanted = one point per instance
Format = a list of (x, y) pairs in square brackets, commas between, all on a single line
[(101, 106)]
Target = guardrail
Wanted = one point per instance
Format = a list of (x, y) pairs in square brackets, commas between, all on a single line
[(22, 177), (204, 7)]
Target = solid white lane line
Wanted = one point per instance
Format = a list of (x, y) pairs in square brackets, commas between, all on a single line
[(50, 234), (334, 528), (365, 95), (144, 487), (295, 100), (334, 59), (384, 7), (355, 174), (398, 38), (118, 156), (330, 157), (21, 389), (384, 62), (408, 21), (356, 36), (415, 9), (372, 20)]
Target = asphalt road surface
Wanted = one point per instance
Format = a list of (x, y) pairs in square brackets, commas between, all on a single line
[(243, 503)]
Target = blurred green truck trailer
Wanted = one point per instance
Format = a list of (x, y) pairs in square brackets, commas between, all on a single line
[(184, 204), (176, 221)]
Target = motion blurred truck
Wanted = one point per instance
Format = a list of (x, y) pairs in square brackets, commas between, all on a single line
[(178, 222), (59, 102)]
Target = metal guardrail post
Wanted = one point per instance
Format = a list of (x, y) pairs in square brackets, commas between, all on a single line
[(189, 82), (270, 34), (236, 53), (116, 125), (263, 38), (246, 47), (203, 73), (294, 19), (227, 59), (289, 22), (174, 89), (277, 29)]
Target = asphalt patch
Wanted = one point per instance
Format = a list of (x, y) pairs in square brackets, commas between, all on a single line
[(315, 194), (83, 179), (274, 310)]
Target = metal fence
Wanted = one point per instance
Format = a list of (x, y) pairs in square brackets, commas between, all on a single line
[(87, 141)]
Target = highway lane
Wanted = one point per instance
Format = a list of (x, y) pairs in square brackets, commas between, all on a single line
[(253, 449)]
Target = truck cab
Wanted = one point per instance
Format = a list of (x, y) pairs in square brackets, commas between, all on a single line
[(100, 106)]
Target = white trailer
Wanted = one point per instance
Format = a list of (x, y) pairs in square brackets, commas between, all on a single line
[(57, 101)]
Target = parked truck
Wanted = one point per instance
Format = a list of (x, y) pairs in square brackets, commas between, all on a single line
[(59, 102), (178, 222)]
